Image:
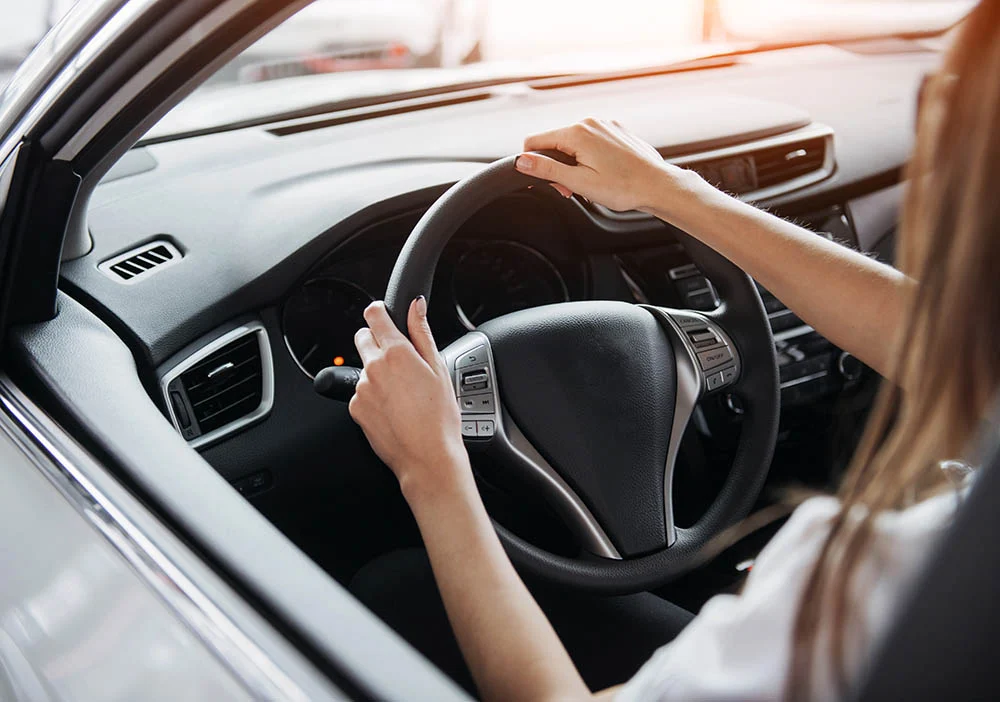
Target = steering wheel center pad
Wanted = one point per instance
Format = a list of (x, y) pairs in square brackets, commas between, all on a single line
[(592, 386)]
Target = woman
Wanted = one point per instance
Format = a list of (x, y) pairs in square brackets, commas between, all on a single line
[(826, 584)]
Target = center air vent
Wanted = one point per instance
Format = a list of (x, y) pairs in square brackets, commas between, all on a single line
[(781, 164), (769, 167), (223, 387), (142, 262)]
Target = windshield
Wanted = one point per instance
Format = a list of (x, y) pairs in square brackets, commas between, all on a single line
[(334, 51)]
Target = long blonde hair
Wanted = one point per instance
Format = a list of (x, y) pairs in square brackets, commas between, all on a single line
[(947, 360)]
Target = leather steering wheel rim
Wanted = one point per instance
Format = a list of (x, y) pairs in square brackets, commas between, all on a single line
[(741, 314)]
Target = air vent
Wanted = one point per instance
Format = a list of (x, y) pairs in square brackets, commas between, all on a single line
[(785, 163), (223, 387), (138, 264)]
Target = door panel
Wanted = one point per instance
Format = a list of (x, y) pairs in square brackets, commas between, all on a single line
[(76, 622)]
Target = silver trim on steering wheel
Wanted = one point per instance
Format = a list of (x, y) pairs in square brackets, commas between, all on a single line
[(706, 360), (505, 436), (692, 383)]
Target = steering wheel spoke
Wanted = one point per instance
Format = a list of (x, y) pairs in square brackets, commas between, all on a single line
[(486, 425), (707, 361)]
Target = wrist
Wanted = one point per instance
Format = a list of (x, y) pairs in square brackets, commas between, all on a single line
[(676, 194), (444, 476)]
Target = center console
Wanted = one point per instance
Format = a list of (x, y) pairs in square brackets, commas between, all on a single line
[(811, 367)]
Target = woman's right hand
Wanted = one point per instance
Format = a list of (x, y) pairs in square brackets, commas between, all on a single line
[(615, 168)]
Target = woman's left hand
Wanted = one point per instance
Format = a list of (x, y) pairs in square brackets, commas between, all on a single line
[(405, 402)]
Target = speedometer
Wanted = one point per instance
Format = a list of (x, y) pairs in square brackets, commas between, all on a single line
[(499, 277), (319, 322)]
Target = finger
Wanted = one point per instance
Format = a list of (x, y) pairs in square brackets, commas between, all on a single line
[(562, 189), (547, 169), (565, 139), (420, 330), (383, 328), (364, 342)]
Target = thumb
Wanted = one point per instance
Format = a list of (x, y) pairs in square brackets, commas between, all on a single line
[(420, 331)]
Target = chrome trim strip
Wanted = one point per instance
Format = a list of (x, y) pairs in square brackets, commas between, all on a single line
[(509, 439), (793, 333), (248, 663), (804, 379), (267, 381), (690, 387)]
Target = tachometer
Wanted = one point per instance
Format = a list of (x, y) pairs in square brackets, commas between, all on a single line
[(499, 277), (319, 322)]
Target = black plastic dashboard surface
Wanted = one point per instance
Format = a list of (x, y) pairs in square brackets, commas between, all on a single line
[(253, 212)]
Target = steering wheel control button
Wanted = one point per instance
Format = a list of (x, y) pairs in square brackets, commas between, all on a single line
[(703, 339), (476, 357), (485, 428), (715, 358), (715, 381), (469, 428), (729, 375), (477, 404), (473, 381)]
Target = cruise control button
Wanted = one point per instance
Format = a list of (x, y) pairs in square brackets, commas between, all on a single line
[(715, 358), (729, 375), (485, 427), (477, 404), (704, 339), (714, 381), (469, 428), (476, 357)]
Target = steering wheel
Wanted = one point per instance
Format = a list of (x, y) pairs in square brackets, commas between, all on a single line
[(588, 402)]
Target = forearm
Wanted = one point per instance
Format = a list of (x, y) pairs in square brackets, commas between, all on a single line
[(509, 645), (851, 299)]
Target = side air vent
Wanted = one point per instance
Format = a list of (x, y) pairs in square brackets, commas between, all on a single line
[(223, 387), (138, 264)]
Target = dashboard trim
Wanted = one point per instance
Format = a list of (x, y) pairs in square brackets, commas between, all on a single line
[(267, 382)]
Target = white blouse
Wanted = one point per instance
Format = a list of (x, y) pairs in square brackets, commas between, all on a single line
[(739, 646)]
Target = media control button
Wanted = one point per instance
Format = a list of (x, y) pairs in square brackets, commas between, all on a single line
[(476, 357), (469, 428), (473, 380), (477, 404)]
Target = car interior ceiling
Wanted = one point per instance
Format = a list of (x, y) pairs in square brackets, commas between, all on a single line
[(228, 247)]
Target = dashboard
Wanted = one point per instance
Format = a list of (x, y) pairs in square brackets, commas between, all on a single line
[(515, 254), (236, 265)]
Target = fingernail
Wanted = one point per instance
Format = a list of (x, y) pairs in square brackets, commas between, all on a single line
[(422, 306), (524, 163)]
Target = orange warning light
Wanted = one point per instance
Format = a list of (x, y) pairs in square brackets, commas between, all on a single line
[(338, 361)]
